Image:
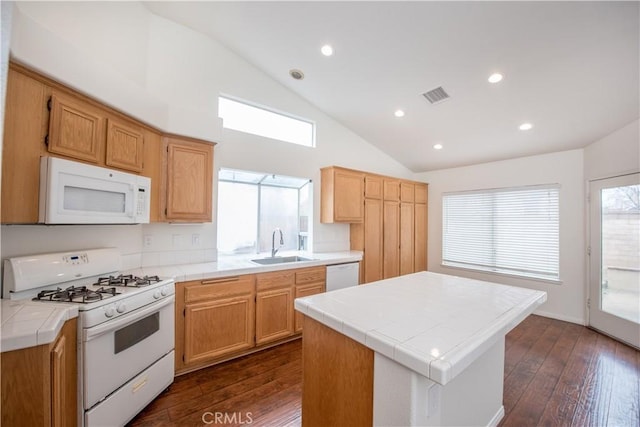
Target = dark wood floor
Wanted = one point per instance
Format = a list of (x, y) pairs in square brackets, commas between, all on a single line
[(556, 374)]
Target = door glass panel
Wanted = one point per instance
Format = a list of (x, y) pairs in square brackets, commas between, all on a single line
[(620, 243)]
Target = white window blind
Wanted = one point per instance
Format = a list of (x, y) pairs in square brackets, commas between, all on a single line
[(513, 231)]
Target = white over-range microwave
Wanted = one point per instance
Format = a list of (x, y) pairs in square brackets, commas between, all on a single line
[(78, 193)]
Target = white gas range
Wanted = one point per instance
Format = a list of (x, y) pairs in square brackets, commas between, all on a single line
[(125, 327)]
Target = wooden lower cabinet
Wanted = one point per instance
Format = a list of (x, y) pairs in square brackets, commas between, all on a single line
[(274, 305), (223, 318), (39, 384), (216, 319), (309, 281)]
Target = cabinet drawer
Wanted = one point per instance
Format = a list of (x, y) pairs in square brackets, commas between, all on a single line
[(274, 280), (216, 288), (309, 275)]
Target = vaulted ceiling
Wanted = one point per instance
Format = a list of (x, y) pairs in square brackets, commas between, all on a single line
[(571, 69)]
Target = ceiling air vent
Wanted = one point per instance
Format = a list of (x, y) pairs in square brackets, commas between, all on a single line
[(436, 95)]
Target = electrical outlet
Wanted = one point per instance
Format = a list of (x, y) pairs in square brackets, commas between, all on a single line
[(177, 240), (148, 240), (195, 240)]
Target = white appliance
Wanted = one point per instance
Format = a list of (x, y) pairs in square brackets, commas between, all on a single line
[(342, 275), (125, 327), (78, 193)]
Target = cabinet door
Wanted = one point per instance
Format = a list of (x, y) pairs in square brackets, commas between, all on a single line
[(420, 195), (125, 146), (58, 376), (372, 187), (406, 238), (218, 327), (391, 244), (373, 240), (274, 314), (189, 180), (25, 127), (76, 129), (342, 193), (420, 246), (407, 190), (391, 190), (63, 362), (305, 291)]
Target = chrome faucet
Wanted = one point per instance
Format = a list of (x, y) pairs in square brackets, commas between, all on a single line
[(273, 244)]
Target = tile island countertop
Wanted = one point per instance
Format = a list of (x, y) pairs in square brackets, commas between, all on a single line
[(433, 324)]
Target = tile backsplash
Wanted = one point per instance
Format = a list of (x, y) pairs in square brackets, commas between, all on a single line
[(140, 245)]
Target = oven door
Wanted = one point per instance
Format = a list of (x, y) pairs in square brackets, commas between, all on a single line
[(116, 351)]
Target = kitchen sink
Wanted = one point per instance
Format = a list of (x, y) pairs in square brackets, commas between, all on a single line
[(280, 260)]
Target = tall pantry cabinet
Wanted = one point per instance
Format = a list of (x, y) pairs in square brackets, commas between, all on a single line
[(392, 229)]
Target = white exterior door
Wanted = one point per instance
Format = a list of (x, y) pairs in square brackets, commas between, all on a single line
[(614, 290)]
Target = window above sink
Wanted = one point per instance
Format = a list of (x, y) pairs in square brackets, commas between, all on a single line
[(251, 205)]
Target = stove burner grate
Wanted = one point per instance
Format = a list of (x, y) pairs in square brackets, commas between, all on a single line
[(80, 294), (127, 280)]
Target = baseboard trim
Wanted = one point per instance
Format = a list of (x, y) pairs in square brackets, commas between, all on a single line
[(497, 417), (571, 319)]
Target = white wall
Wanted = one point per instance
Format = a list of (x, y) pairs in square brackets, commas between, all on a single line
[(615, 154), (565, 301), (170, 76)]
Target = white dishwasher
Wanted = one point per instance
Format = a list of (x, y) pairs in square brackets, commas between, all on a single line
[(342, 275)]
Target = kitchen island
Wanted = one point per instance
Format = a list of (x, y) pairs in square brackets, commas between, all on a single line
[(420, 349)]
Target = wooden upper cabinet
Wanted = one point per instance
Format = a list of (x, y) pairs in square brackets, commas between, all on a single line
[(125, 146), (189, 180), (372, 187), (25, 127), (421, 194), (391, 190), (341, 195), (76, 129), (407, 190)]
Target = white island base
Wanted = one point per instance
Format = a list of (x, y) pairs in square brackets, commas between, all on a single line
[(402, 397), (424, 349)]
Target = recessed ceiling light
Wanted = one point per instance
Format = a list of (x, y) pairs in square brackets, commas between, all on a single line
[(525, 126), (296, 74), (437, 147), (495, 78), (399, 113), (326, 50)]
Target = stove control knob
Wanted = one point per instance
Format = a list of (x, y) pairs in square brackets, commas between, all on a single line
[(164, 292), (121, 308), (156, 295), (109, 312)]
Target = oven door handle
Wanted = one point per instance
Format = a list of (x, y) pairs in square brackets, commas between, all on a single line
[(117, 323)]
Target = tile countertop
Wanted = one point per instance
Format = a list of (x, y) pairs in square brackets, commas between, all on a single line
[(28, 324), (434, 324), (241, 264)]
